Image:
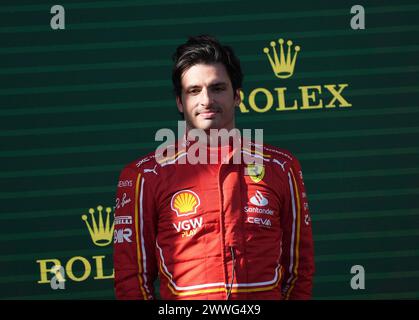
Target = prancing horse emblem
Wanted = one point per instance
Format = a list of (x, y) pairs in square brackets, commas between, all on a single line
[(256, 172)]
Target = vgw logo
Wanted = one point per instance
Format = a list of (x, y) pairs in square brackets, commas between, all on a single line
[(311, 97), (55, 272)]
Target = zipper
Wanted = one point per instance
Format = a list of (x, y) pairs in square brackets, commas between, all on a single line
[(233, 263)]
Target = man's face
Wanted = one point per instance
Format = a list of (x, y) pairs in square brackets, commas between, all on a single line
[(207, 99)]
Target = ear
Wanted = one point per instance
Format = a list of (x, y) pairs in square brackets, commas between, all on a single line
[(179, 104), (237, 97)]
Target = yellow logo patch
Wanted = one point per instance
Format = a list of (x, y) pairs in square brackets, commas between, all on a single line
[(256, 172), (185, 202)]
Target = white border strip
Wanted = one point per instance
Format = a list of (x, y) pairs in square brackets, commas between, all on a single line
[(293, 228), (216, 284), (142, 237)]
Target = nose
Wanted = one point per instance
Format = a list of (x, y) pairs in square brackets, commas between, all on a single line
[(205, 98)]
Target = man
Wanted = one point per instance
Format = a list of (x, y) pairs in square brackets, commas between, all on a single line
[(218, 230)]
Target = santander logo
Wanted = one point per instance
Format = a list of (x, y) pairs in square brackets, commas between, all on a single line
[(259, 200)]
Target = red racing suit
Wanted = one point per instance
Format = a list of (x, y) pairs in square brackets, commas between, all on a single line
[(213, 231)]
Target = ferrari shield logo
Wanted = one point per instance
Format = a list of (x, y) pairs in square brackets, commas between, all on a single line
[(256, 172)]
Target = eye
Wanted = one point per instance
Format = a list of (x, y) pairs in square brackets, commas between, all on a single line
[(193, 91), (219, 89)]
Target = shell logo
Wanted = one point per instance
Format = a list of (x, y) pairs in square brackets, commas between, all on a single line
[(185, 202)]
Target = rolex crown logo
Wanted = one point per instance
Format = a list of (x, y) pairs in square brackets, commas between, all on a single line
[(282, 66), (101, 234)]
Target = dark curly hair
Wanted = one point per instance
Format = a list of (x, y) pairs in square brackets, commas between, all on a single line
[(205, 49)]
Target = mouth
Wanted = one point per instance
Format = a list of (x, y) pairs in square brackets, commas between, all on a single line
[(208, 114)]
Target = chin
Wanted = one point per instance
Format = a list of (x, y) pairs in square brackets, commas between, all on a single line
[(207, 124)]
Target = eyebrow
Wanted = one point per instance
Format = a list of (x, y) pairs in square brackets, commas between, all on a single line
[(215, 84)]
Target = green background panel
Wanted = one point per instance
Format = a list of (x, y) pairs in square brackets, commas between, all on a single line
[(78, 104)]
